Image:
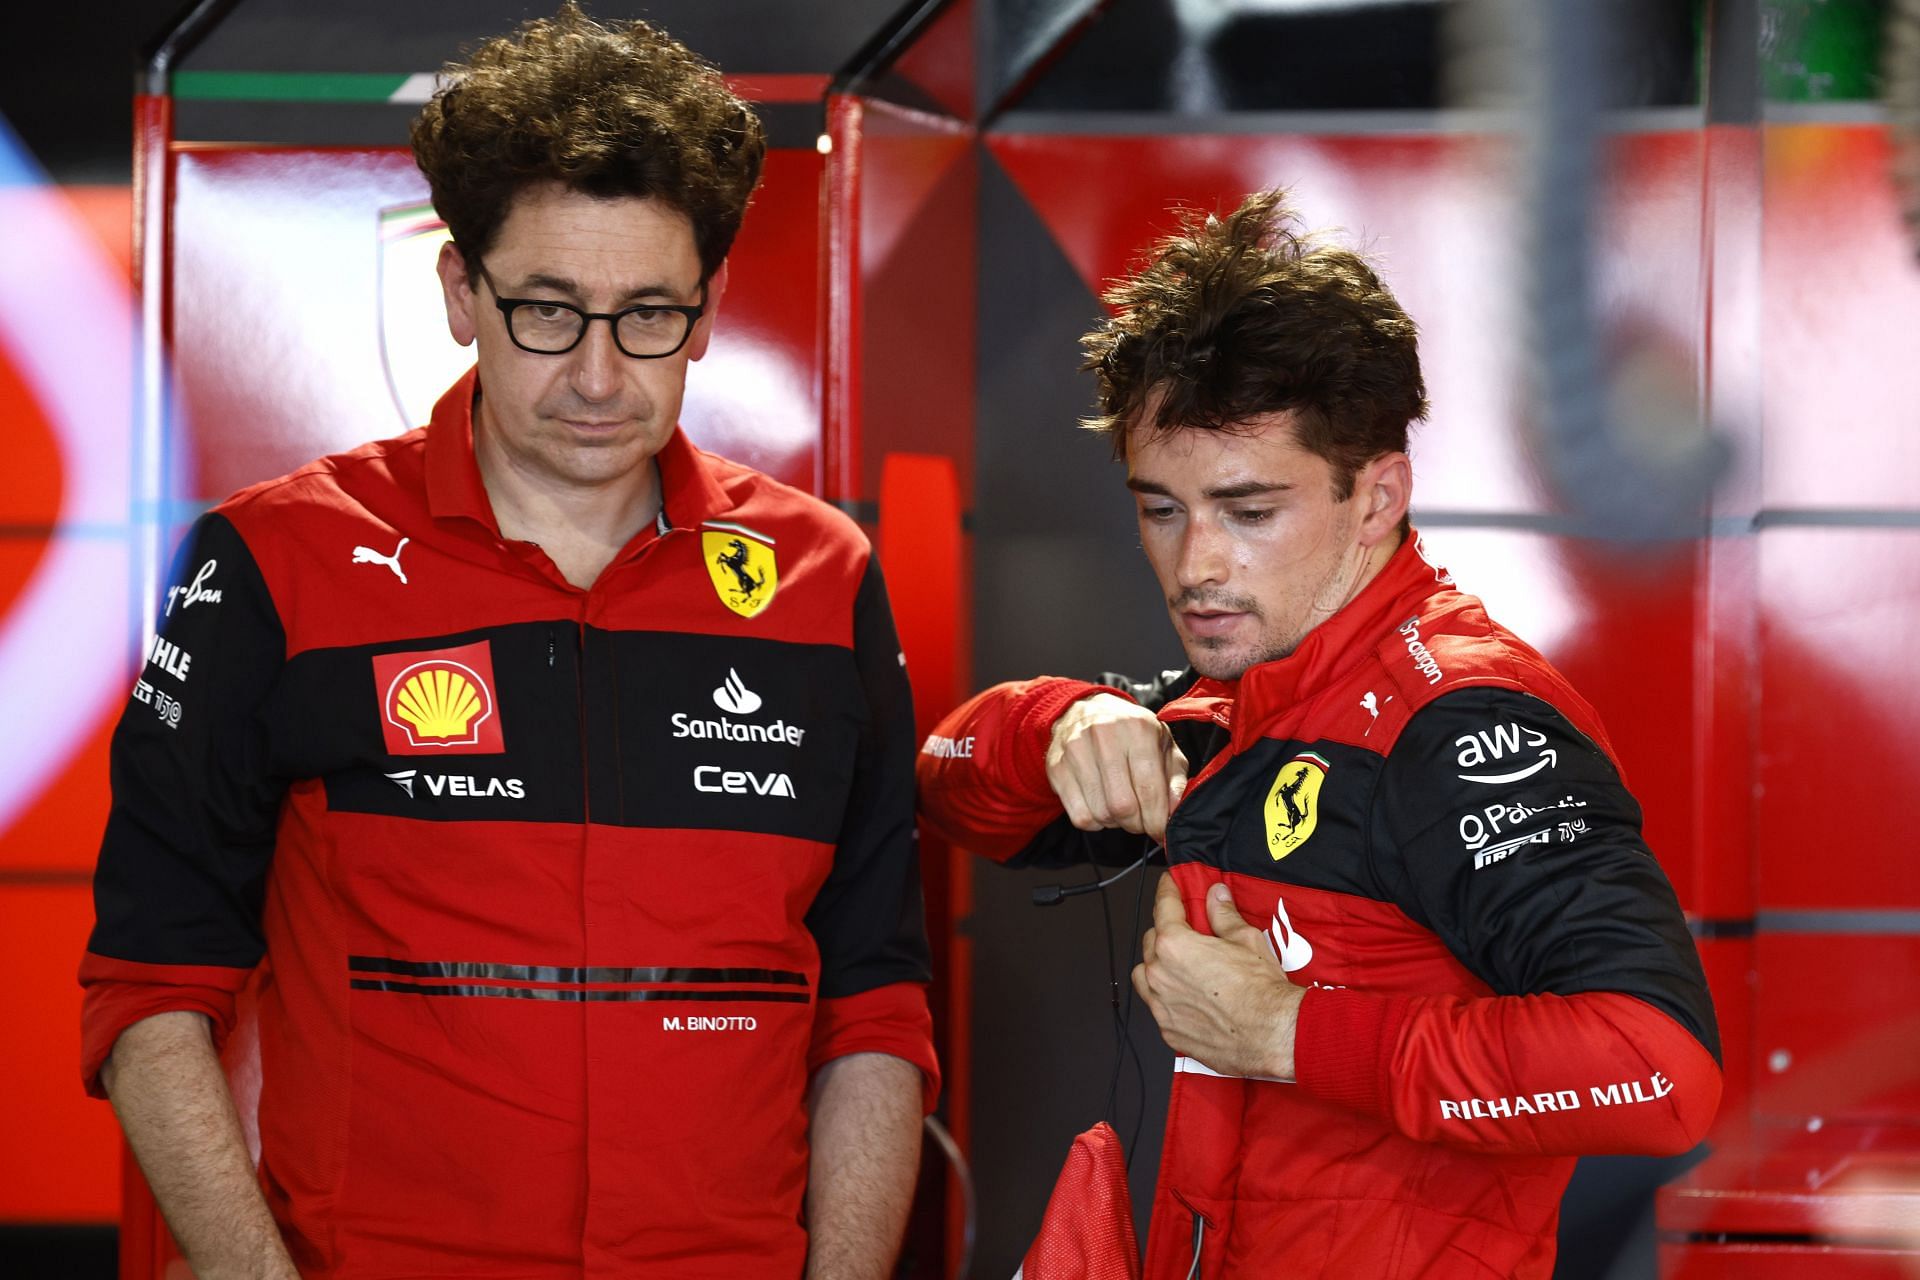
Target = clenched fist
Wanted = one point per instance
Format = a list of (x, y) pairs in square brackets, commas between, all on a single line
[(1113, 764)]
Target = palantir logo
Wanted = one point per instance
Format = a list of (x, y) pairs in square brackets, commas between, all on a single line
[(733, 696)]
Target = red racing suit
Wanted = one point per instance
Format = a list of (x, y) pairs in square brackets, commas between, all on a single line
[(563, 894), (1425, 820)]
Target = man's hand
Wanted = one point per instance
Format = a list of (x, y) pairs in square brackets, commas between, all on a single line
[(1222, 1000), (1113, 764)]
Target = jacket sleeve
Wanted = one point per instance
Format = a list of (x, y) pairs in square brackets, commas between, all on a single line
[(1509, 834), (869, 918), (983, 771), (183, 865)]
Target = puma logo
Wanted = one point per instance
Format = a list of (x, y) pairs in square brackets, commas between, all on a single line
[(367, 555)]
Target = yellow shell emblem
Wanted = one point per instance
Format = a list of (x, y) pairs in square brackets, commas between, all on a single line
[(742, 567), (439, 702), (1293, 803)]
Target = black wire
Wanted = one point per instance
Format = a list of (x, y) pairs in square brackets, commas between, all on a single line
[(1126, 1019), (1124, 1047)]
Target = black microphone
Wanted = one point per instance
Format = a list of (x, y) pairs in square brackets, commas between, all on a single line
[(1052, 895)]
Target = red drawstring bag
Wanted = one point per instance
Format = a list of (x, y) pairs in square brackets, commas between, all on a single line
[(1087, 1233)]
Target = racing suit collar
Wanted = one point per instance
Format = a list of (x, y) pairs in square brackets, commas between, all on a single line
[(689, 491), (1270, 689)]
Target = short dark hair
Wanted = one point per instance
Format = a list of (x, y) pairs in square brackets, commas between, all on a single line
[(616, 110), (1232, 318)]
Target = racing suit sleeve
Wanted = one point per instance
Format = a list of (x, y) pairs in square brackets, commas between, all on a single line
[(983, 771), (183, 865), (1509, 834), (869, 918)]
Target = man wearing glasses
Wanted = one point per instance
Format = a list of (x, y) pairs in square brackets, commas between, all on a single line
[(560, 773)]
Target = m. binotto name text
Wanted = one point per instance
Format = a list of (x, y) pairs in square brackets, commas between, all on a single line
[(704, 1023), (1625, 1093)]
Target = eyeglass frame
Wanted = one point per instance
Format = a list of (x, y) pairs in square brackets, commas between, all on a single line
[(509, 305)]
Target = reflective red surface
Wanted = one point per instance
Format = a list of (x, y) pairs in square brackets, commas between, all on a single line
[(61, 1144), (1839, 719), (1440, 215), (277, 313)]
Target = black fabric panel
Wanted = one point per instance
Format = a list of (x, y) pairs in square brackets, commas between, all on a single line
[(1226, 822), (780, 764), (1535, 875), (183, 866), (328, 711), (869, 918)]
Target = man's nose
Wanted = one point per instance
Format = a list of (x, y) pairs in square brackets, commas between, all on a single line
[(597, 363), (1203, 555)]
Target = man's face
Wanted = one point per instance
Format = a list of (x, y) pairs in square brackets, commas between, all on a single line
[(1250, 546), (593, 414)]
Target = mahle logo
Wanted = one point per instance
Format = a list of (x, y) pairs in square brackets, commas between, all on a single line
[(1293, 803)]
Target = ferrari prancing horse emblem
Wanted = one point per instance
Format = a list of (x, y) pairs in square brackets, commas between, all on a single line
[(1293, 803), (741, 563)]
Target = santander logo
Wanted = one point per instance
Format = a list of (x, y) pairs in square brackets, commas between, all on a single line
[(1294, 950)]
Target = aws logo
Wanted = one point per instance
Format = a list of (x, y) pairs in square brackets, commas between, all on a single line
[(742, 566), (439, 702), (1293, 803)]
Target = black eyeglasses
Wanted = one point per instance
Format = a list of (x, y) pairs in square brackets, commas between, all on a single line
[(545, 327)]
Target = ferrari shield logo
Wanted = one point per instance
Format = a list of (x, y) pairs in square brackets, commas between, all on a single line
[(1293, 803), (420, 358), (742, 566)]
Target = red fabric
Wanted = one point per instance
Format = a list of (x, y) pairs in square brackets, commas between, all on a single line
[(1087, 1232), (120, 993), (992, 799), (447, 1088), (1348, 1171), (893, 1019)]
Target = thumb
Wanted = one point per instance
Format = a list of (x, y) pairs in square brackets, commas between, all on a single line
[(1176, 773), (1225, 918)]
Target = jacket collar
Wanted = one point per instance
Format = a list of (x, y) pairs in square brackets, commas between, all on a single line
[(690, 491), (1330, 650)]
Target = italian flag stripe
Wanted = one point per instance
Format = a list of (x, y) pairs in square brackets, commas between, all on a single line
[(1315, 757), (304, 86)]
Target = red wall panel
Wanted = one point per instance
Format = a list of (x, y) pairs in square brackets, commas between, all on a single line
[(1842, 302), (61, 1147), (278, 309), (1836, 1018), (1440, 214), (1839, 719)]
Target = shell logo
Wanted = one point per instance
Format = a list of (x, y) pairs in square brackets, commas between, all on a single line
[(439, 702)]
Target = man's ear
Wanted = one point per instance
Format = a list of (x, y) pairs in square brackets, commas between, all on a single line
[(1384, 489), (457, 288), (703, 327)]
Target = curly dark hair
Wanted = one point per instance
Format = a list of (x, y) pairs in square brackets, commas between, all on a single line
[(617, 110), (1232, 318)]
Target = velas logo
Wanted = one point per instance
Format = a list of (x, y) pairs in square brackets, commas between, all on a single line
[(741, 564), (1293, 803), (439, 702)]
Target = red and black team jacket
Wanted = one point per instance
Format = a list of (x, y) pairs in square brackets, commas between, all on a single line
[(563, 893), (1426, 821)]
